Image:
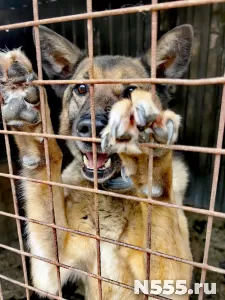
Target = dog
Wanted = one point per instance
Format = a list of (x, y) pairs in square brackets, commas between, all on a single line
[(126, 116)]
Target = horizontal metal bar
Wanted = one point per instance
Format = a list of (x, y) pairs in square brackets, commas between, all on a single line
[(201, 81), (97, 140), (112, 12), (26, 286), (166, 256), (89, 235), (113, 282), (47, 135), (127, 197), (103, 239)]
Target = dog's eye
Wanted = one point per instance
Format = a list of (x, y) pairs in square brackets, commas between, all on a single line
[(81, 89), (127, 92)]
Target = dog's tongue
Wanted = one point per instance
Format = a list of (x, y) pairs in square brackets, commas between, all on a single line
[(101, 159)]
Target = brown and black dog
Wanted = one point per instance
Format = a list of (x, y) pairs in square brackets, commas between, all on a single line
[(125, 116)]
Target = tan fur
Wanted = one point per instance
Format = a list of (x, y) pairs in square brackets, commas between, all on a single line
[(121, 220)]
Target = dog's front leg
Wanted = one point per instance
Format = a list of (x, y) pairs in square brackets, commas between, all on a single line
[(21, 110), (133, 121), (137, 120)]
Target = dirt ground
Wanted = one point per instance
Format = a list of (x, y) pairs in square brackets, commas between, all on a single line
[(197, 225), (10, 263)]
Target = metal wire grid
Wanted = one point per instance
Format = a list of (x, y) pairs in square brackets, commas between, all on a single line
[(218, 151), (44, 129), (94, 148)]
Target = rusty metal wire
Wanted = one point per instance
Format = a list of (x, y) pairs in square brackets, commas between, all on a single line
[(112, 12), (60, 298), (29, 287), (198, 265), (191, 82), (94, 146), (44, 130), (218, 151), (167, 256), (154, 16), (112, 194), (97, 140), (16, 206), (214, 189)]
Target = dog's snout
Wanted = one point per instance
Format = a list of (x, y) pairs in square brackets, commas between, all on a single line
[(84, 128), (84, 125)]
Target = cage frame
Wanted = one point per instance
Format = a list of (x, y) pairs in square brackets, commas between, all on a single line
[(153, 9)]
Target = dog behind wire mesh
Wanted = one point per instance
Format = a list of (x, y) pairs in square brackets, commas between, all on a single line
[(126, 116)]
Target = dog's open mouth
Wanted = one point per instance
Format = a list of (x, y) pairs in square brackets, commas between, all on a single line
[(109, 172), (106, 166)]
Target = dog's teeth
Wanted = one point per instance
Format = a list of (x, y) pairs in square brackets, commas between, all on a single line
[(108, 163), (85, 161)]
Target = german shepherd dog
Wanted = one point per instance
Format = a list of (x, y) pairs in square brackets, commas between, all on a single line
[(126, 115)]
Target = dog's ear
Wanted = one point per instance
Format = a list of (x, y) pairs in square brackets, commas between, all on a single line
[(59, 57), (172, 58), (173, 52)]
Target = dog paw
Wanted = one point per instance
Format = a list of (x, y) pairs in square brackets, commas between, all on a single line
[(139, 120), (165, 129), (120, 135), (20, 101)]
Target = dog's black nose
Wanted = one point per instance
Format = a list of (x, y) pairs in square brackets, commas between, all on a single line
[(84, 126)]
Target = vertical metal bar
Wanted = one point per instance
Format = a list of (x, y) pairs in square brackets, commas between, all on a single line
[(46, 148), (1, 293), (15, 203), (213, 191), (150, 166), (154, 27), (94, 147), (149, 214)]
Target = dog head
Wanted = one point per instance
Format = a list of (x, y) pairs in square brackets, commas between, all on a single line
[(63, 60)]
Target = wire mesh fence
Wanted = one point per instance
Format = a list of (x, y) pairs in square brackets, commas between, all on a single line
[(153, 9)]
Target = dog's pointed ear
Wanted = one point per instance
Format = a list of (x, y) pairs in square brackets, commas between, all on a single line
[(59, 56), (173, 52)]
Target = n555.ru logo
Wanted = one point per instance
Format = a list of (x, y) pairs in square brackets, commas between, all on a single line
[(170, 287)]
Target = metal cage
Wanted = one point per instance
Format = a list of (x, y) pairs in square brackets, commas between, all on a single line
[(153, 9)]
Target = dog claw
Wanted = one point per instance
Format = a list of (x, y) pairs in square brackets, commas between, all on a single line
[(165, 135), (144, 120), (31, 77), (114, 131), (141, 116), (105, 144), (170, 130), (160, 134)]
